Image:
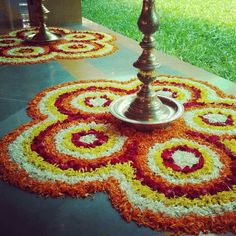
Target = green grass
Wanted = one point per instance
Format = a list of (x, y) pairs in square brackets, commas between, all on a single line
[(201, 32)]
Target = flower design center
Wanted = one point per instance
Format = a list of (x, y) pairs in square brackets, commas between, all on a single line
[(25, 50), (97, 102), (76, 46), (213, 118), (102, 101), (88, 138), (183, 159), (217, 119), (78, 36)]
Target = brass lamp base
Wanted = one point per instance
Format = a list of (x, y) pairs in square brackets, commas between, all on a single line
[(146, 106), (43, 37), (168, 111)]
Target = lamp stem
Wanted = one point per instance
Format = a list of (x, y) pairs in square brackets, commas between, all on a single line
[(147, 106)]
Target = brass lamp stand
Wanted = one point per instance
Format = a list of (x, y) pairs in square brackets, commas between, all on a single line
[(43, 35), (146, 110)]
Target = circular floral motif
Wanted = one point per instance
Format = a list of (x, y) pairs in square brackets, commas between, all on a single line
[(23, 33), (25, 55), (75, 45), (212, 120), (85, 103), (187, 157), (95, 102), (181, 94), (107, 149), (24, 51), (7, 41), (201, 92), (180, 179), (89, 36), (79, 50), (76, 143), (180, 167)]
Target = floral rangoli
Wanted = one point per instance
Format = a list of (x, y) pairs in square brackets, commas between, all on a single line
[(76, 44), (180, 179)]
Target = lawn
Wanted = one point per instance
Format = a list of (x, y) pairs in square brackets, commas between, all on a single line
[(201, 32)]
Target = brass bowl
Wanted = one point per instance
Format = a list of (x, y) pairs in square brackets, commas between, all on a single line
[(119, 107)]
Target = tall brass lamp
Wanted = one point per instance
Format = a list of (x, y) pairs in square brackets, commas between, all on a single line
[(146, 110)]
